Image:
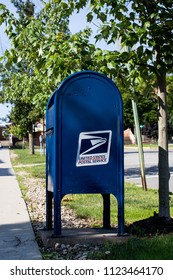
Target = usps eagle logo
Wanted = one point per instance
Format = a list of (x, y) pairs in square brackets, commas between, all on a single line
[(93, 148)]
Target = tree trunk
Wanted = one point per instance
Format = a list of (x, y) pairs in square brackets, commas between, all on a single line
[(23, 143), (163, 166), (31, 141)]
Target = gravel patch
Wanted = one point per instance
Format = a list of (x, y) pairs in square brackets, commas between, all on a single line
[(36, 204)]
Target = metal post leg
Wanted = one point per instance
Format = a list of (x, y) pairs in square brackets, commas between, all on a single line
[(106, 211), (57, 216), (120, 218), (49, 197)]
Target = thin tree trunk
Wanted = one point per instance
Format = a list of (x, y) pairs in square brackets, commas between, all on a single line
[(31, 141), (23, 143), (163, 166)]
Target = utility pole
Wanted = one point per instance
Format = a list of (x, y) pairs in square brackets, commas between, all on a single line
[(140, 147)]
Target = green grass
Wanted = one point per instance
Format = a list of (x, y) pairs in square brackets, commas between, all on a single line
[(37, 171), (155, 248), (139, 205), (148, 145), (23, 187), (23, 157), (38, 162)]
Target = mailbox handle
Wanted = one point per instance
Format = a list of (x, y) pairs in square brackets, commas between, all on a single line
[(49, 131)]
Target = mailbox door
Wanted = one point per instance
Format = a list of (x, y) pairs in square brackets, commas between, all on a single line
[(50, 146), (91, 131)]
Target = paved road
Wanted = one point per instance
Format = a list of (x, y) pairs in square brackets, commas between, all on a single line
[(132, 167)]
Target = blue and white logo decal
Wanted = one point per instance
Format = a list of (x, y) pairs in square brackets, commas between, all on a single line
[(94, 148)]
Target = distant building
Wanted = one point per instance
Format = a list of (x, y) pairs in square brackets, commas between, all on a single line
[(3, 127)]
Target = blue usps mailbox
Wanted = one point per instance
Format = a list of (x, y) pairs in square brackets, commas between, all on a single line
[(84, 144)]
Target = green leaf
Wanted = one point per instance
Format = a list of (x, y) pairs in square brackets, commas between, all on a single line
[(64, 5), (147, 24), (19, 59), (102, 16), (111, 65), (2, 7), (89, 17)]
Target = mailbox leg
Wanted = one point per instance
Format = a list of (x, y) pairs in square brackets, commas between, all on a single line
[(49, 197), (57, 216), (120, 217), (106, 211)]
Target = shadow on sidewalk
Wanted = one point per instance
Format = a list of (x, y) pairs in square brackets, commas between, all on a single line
[(17, 241), (6, 172)]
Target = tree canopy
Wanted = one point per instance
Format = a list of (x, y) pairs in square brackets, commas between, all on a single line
[(145, 29), (42, 54)]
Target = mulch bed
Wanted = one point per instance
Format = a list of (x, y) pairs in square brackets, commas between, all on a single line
[(154, 225)]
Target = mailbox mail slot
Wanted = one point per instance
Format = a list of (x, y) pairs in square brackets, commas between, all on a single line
[(84, 142)]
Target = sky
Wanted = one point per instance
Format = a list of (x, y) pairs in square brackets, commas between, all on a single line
[(4, 110), (77, 23)]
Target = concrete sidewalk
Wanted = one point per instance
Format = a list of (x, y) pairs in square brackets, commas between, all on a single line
[(17, 240)]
